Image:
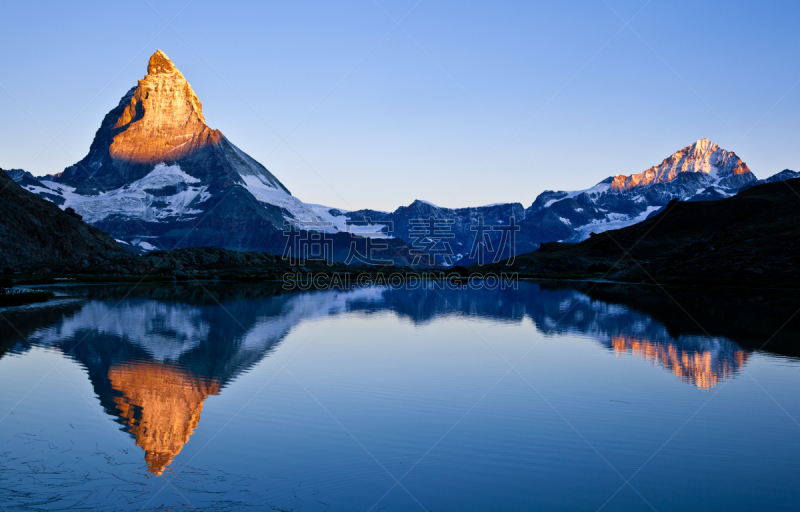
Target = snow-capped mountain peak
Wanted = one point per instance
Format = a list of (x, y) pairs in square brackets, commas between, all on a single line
[(159, 121), (701, 171), (703, 156), (156, 172)]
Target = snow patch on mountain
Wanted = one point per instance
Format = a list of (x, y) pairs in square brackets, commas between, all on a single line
[(594, 191), (304, 215), (147, 246), (299, 214), (165, 194), (428, 203), (597, 189), (612, 221), (138, 322)]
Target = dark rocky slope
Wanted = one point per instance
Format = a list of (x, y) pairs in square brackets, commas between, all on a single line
[(33, 230)]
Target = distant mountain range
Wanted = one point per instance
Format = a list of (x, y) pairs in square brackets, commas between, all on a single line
[(157, 177), (700, 172)]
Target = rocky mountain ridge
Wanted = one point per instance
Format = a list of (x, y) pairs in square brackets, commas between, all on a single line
[(704, 156)]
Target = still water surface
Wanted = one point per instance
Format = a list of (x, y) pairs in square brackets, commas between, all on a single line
[(237, 397)]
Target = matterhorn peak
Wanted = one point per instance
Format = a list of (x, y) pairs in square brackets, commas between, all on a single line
[(164, 97), (160, 63), (160, 121), (163, 120)]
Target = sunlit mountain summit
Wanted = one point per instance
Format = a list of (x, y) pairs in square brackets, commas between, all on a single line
[(717, 167)]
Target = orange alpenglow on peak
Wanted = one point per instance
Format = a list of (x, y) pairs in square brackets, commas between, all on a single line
[(703, 156), (702, 368), (160, 63), (163, 120), (161, 404)]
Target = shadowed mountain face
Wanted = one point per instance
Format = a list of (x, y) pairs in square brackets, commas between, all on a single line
[(157, 356)]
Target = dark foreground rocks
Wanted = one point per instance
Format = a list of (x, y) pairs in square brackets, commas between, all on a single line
[(34, 231), (180, 262)]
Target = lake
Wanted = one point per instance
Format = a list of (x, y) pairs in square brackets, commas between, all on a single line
[(550, 396)]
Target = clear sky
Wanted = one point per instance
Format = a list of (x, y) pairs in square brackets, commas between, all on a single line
[(463, 103)]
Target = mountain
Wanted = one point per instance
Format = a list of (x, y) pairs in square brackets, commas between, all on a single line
[(159, 124), (159, 177), (752, 238), (702, 171), (723, 168), (33, 230)]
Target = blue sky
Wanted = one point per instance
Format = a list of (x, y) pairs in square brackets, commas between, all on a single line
[(461, 104)]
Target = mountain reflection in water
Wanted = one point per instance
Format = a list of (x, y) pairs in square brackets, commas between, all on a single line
[(154, 358), (161, 404), (703, 368)]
